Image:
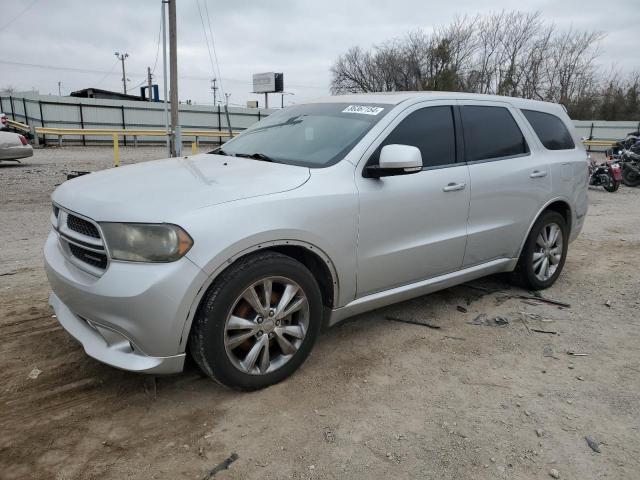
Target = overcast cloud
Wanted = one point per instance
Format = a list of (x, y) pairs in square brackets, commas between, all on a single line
[(300, 38)]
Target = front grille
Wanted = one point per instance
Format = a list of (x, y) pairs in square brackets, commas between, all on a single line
[(82, 226), (95, 259)]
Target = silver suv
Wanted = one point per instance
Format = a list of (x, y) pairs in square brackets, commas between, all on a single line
[(317, 213)]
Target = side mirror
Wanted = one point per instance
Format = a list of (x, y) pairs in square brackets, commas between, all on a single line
[(396, 160)]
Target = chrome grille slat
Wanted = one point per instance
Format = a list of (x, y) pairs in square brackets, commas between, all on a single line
[(81, 241), (82, 226), (97, 260)]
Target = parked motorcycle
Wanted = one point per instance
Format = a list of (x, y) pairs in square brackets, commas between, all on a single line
[(630, 141), (630, 163), (607, 174)]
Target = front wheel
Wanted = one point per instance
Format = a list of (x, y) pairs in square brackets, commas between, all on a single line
[(544, 252), (613, 185), (257, 322)]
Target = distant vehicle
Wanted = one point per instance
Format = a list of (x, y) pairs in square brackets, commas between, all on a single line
[(4, 122), (319, 212), (607, 174), (14, 146)]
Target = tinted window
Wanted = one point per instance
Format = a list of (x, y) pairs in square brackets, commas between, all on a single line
[(491, 132), (550, 130), (431, 129), (314, 135)]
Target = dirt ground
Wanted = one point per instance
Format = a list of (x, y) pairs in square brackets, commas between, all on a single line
[(376, 399)]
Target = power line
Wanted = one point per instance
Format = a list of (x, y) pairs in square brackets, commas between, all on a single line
[(213, 44), (88, 70), (206, 39), (155, 62), (107, 74), (18, 15)]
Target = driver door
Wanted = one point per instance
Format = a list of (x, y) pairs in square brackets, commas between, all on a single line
[(413, 227)]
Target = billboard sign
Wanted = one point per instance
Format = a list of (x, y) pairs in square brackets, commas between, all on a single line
[(269, 82)]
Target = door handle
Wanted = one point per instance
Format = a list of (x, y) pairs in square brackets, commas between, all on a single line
[(453, 187), (538, 174)]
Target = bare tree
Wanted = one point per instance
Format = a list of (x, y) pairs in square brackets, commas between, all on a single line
[(505, 53)]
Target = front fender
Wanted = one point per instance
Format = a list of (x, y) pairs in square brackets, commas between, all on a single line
[(227, 257)]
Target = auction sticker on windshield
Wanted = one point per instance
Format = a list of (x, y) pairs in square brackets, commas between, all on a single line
[(363, 109)]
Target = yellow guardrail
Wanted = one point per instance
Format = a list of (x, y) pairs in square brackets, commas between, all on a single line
[(599, 143), (116, 133), (18, 125)]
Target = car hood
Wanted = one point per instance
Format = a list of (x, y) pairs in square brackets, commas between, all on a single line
[(162, 190)]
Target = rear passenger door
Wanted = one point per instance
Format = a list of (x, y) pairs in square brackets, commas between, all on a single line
[(509, 181)]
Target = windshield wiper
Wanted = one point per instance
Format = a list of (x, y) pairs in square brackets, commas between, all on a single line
[(220, 151), (256, 156)]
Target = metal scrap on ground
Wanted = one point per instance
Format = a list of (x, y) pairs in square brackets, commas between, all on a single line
[(411, 321), (595, 446), (224, 465)]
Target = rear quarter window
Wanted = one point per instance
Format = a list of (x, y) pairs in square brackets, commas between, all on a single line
[(491, 133), (551, 131)]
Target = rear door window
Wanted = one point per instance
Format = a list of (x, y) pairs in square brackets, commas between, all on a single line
[(551, 131), (491, 133), (430, 129)]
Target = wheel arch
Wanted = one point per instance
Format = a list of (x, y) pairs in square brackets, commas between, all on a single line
[(312, 257), (560, 205)]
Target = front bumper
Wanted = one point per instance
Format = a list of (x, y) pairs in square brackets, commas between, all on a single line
[(133, 316)]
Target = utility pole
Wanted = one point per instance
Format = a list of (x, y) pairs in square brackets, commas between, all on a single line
[(226, 98), (214, 89), (149, 83), (164, 77), (176, 145), (124, 76), (59, 89)]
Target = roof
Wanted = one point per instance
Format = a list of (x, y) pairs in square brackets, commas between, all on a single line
[(100, 93), (395, 98)]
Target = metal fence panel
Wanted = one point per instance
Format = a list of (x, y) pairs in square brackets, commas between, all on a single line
[(72, 112)]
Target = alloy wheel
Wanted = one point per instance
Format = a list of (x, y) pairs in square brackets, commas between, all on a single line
[(266, 325), (547, 252)]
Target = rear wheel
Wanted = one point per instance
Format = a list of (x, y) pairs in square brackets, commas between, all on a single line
[(257, 322), (544, 252), (630, 178)]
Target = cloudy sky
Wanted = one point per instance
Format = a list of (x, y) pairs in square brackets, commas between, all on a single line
[(43, 42)]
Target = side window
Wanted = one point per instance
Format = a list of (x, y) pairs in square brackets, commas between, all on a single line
[(431, 129), (551, 131), (491, 132)]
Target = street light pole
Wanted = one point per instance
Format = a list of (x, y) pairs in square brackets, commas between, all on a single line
[(282, 94), (124, 76)]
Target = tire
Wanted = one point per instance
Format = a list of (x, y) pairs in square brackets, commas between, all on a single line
[(224, 310), (612, 186), (529, 276), (630, 178)]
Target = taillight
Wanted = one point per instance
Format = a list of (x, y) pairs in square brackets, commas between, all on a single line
[(23, 140)]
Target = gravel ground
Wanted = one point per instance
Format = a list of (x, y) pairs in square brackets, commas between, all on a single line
[(376, 398)]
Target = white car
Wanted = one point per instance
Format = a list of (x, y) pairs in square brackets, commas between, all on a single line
[(14, 146), (319, 212)]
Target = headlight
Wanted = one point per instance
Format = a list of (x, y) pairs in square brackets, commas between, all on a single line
[(145, 242)]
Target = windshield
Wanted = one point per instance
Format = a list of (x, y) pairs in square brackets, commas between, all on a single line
[(312, 135)]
